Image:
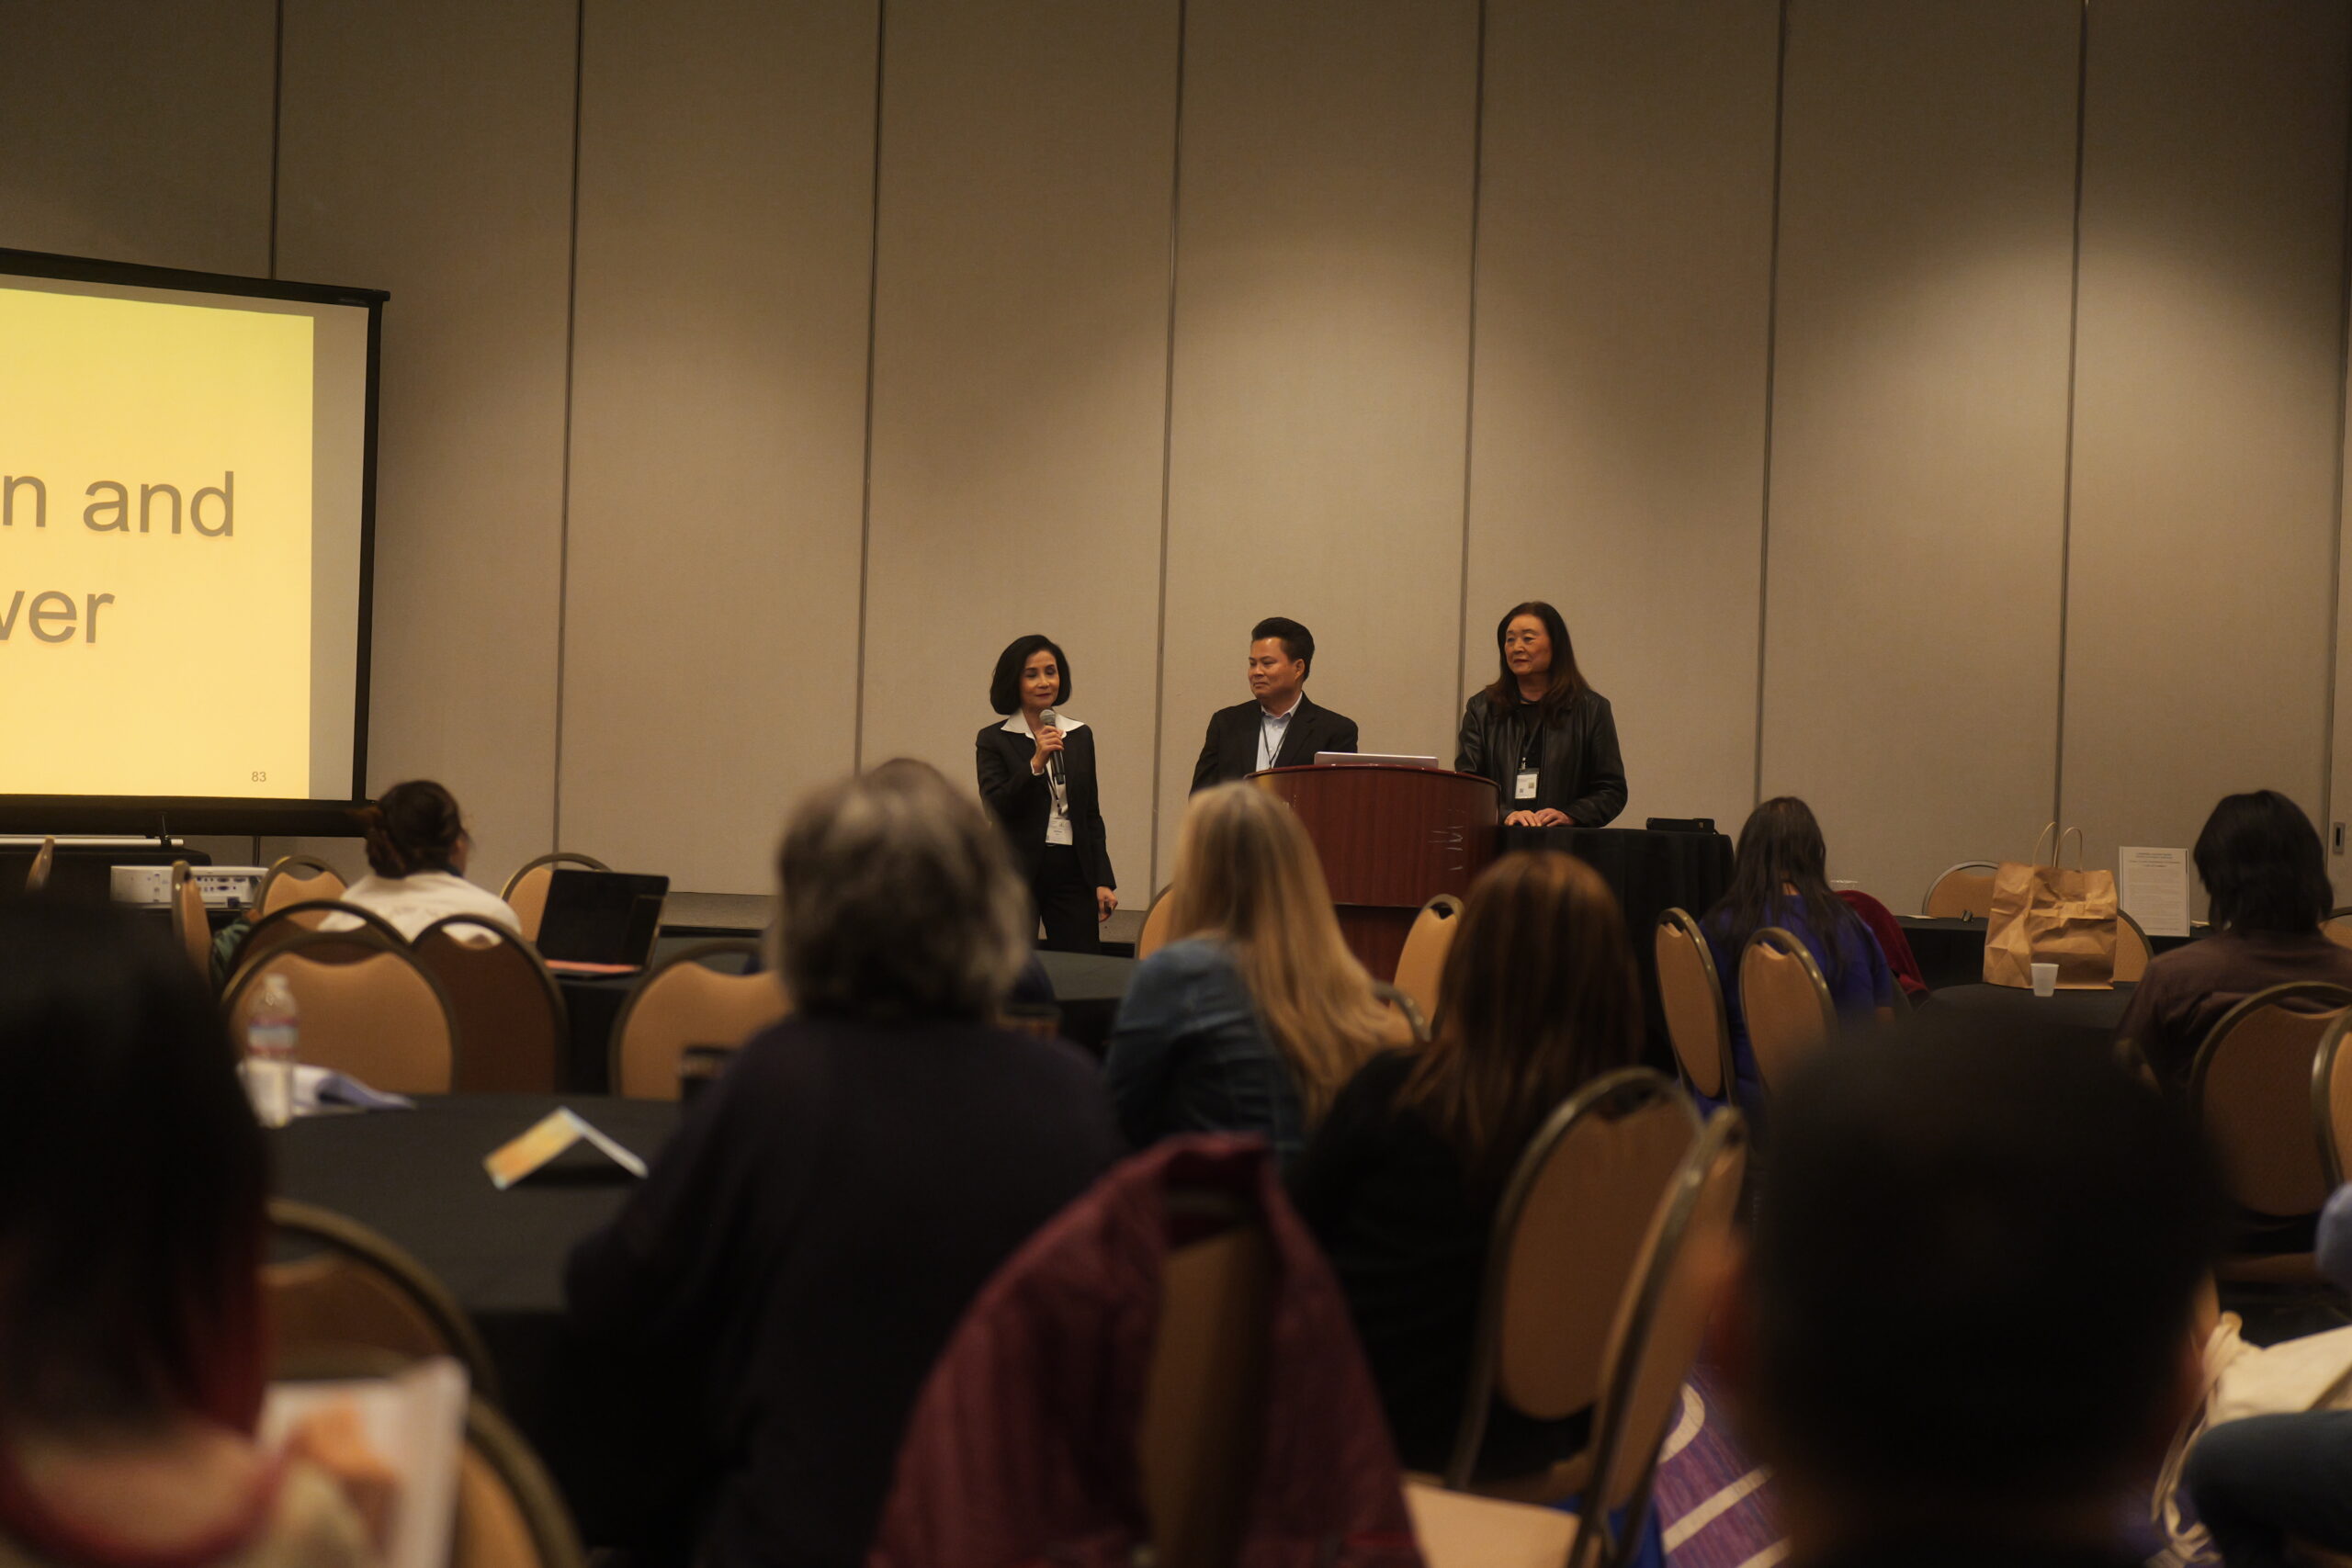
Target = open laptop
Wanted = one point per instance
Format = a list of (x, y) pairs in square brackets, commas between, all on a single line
[(1334, 759), (601, 922)]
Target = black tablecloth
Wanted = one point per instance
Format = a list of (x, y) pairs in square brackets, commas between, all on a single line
[(417, 1177), (1650, 872), (2090, 1016), (1951, 951)]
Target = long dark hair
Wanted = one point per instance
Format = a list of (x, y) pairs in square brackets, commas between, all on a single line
[(412, 826), (1566, 681), (2260, 859), (1780, 847), (1538, 998), (1004, 685), (132, 1183)]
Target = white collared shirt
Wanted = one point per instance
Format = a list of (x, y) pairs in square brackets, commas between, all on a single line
[(1057, 825), (1272, 727)]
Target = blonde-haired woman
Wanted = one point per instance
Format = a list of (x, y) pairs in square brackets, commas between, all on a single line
[(1255, 1014)]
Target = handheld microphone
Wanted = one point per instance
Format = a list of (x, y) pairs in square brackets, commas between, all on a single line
[(1053, 720)]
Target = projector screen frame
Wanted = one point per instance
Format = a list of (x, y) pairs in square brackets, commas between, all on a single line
[(166, 815)]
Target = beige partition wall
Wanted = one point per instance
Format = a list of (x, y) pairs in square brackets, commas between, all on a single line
[(1617, 457), (2207, 414), (1321, 362), (717, 428), (1020, 376), (1919, 428), (138, 132), (380, 107)]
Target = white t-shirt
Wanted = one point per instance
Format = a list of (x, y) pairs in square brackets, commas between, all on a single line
[(413, 903)]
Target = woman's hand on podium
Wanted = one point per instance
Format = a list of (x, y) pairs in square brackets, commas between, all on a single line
[(1547, 818)]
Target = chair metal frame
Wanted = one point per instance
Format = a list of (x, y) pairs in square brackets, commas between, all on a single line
[(366, 936), (1930, 896), (1780, 940), (1625, 1091), (279, 868), (2331, 1156), (694, 954), (552, 858), (193, 931), (1397, 998), (2338, 920), (374, 924), (1683, 923), (548, 990), (346, 1236), (2319, 991)]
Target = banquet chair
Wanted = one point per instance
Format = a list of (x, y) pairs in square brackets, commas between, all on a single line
[(1154, 935), (1204, 1392), (1653, 1342), (1965, 889), (1691, 993), (682, 1001), (336, 1286), (44, 859), (287, 921), (2252, 1090), (511, 1020), (2337, 927), (1406, 1026), (190, 927), (1421, 969), (1785, 1001), (2332, 1100), (1565, 1242), (297, 879), (367, 1008), (527, 891), (2132, 948)]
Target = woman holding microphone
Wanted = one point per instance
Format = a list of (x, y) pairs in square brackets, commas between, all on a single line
[(1541, 732), (1036, 773)]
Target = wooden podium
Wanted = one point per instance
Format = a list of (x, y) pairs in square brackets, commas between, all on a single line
[(1391, 838)]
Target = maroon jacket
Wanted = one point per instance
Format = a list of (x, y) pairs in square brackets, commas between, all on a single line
[(1021, 1449), (1891, 940)]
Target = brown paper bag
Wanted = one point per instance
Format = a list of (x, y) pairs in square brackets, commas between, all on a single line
[(2052, 914)]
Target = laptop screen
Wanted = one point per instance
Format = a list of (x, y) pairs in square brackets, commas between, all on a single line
[(601, 916)]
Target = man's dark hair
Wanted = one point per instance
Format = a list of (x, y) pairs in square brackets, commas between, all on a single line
[(2260, 859), (1974, 1268), (1297, 642), (1005, 687)]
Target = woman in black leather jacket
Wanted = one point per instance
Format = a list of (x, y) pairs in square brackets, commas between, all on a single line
[(1546, 737)]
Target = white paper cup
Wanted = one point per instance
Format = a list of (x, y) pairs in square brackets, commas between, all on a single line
[(2045, 979)]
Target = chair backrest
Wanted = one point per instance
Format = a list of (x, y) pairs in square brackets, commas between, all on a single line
[(1154, 935), (1421, 969), (527, 891), (190, 927), (2337, 927), (2251, 1088), (44, 858), (1693, 996), (298, 879), (509, 1513), (1962, 889), (2332, 1100), (346, 1287), (1656, 1338), (290, 921), (684, 1003), (1785, 1001), (1566, 1237), (373, 1014), (1205, 1396), (511, 1024), (2132, 948)]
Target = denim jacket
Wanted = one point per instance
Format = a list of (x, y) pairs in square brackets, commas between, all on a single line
[(1190, 1055)]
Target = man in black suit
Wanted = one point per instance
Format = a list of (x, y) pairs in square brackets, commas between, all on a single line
[(1279, 727)]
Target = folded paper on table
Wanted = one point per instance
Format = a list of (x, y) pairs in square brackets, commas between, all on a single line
[(512, 1161), (395, 1443), (2052, 914), (323, 1091)]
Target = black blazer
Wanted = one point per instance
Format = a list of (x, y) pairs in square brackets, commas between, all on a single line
[(1231, 750), (1022, 800), (1581, 771)]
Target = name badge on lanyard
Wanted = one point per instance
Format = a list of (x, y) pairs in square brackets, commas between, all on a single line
[(1525, 788)]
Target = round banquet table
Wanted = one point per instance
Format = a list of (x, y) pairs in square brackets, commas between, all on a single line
[(417, 1177), (2090, 1016)]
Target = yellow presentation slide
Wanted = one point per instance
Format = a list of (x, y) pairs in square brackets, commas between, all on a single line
[(155, 573)]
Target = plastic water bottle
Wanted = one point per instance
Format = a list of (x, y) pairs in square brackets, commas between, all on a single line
[(272, 1028)]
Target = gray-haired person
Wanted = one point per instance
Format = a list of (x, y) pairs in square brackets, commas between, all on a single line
[(778, 1288)]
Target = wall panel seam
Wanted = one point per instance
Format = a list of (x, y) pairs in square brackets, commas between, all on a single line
[(570, 341), (1772, 350), (1166, 448), (2336, 542), (873, 311), (1470, 382), (2074, 358)]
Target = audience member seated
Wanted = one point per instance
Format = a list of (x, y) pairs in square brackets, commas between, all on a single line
[(1781, 877), (753, 1328), (1255, 1013), (132, 1190), (1401, 1181), (417, 847), (2258, 1482), (2261, 863), (1964, 1325)]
